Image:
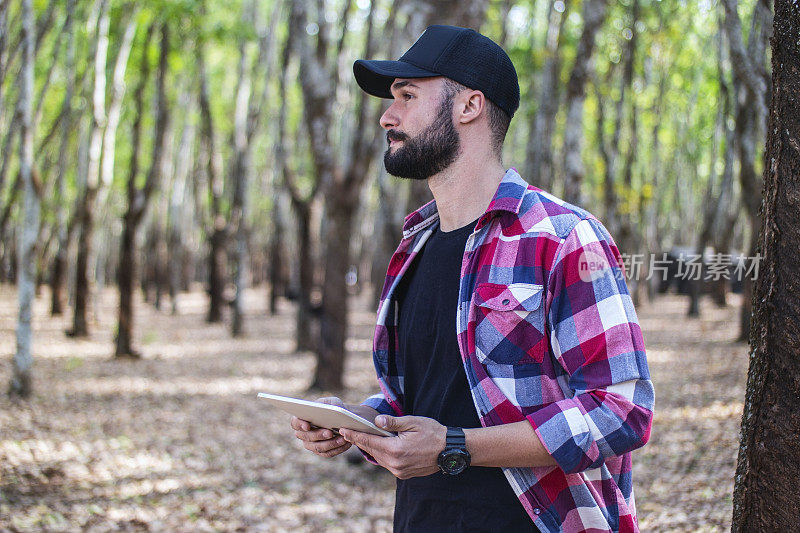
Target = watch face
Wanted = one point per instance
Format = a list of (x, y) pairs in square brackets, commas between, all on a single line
[(453, 462)]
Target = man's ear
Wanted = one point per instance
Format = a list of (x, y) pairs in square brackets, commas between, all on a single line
[(470, 106)]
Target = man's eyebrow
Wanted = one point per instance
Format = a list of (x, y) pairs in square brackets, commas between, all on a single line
[(405, 83)]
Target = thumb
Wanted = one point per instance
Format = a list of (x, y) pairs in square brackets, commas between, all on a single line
[(395, 423), (331, 400)]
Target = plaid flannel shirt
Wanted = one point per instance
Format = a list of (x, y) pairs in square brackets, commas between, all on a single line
[(547, 332)]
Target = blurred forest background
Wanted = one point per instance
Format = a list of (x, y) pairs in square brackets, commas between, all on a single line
[(182, 171)]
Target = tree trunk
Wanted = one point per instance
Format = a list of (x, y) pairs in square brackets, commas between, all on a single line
[(720, 212), (594, 13), (217, 266), (335, 308), (115, 105), (3, 44), (539, 151), (752, 88), (276, 256), (765, 495), (389, 220), (21, 379), (178, 215), (216, 231), (628, 238), (304, 328), (239, 170), (138, 199), (246, 125), (58, 268), (92, 182), (80, 326), (127, 256), (305, 339), (125, 278)]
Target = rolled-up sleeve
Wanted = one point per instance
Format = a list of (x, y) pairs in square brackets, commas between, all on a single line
[(379, 403), (595, 336)]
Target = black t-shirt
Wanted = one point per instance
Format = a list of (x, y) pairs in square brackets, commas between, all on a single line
[(435, 386)]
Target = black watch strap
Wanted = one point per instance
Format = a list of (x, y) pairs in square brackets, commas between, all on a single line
[(455, 438)]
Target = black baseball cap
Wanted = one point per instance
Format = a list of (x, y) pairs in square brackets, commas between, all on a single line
[(461, 54)]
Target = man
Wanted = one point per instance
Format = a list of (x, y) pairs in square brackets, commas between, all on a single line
[(509, 355)]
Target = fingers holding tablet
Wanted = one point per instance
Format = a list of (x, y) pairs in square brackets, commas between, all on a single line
[(321, 441)]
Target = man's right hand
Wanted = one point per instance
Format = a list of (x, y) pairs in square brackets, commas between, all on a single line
[(321, 441)]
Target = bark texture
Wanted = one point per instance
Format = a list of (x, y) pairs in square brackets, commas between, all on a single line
[(21, 381), (342, 182), (138, 199), (752, 86), (539, 150), (249, 102), (765, 495), (59, 264), (301, 203), (215, 229), (594, 13), (86, 217)]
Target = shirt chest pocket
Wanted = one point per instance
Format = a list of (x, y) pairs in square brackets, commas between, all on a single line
[(510, 323)]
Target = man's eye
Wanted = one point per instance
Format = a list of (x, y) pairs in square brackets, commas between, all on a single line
[(407, 96)]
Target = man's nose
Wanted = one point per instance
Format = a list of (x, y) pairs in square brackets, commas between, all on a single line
[(389, 118)]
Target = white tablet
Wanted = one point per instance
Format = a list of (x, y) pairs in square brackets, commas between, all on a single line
[(323, 415)]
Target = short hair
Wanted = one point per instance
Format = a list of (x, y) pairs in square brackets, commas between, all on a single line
[(498, 119)]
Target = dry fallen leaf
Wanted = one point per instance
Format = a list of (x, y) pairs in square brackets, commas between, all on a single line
[(179, 442)]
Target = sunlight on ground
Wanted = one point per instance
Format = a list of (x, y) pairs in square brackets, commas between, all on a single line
[(214, 387), (177, 441)]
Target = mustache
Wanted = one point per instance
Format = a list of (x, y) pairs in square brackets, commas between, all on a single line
[(395, 135)]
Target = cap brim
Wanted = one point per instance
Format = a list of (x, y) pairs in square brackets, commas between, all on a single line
[(376, 77)]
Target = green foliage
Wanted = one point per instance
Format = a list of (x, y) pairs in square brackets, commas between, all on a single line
[(675, 92)]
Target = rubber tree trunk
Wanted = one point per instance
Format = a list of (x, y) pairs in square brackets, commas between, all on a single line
[(304, 329), (217, 266), (216, 230), (335, 308), (21, 381), (178, 214), (80, 327), (59, 265), (539, 150), (92, 183), (594, 13), (276, 258), (138, 199), (765, 495), (125, 282), (388, 221), (753, 87)]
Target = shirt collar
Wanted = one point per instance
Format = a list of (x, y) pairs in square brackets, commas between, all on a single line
[(508, 197)]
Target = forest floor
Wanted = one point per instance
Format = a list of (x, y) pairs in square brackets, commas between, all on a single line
[(178, 441)]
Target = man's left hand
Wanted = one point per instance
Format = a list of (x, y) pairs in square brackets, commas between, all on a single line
[(412, 453)]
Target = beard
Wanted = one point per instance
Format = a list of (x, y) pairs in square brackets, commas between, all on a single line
[(430, 152)]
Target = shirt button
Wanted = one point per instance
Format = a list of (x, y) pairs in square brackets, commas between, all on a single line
[(537, 511), (506, 301)]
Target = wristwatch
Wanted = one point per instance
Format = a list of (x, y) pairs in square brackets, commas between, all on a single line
[(455, 458)]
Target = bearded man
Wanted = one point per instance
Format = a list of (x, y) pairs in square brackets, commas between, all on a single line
[(510, 359)]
